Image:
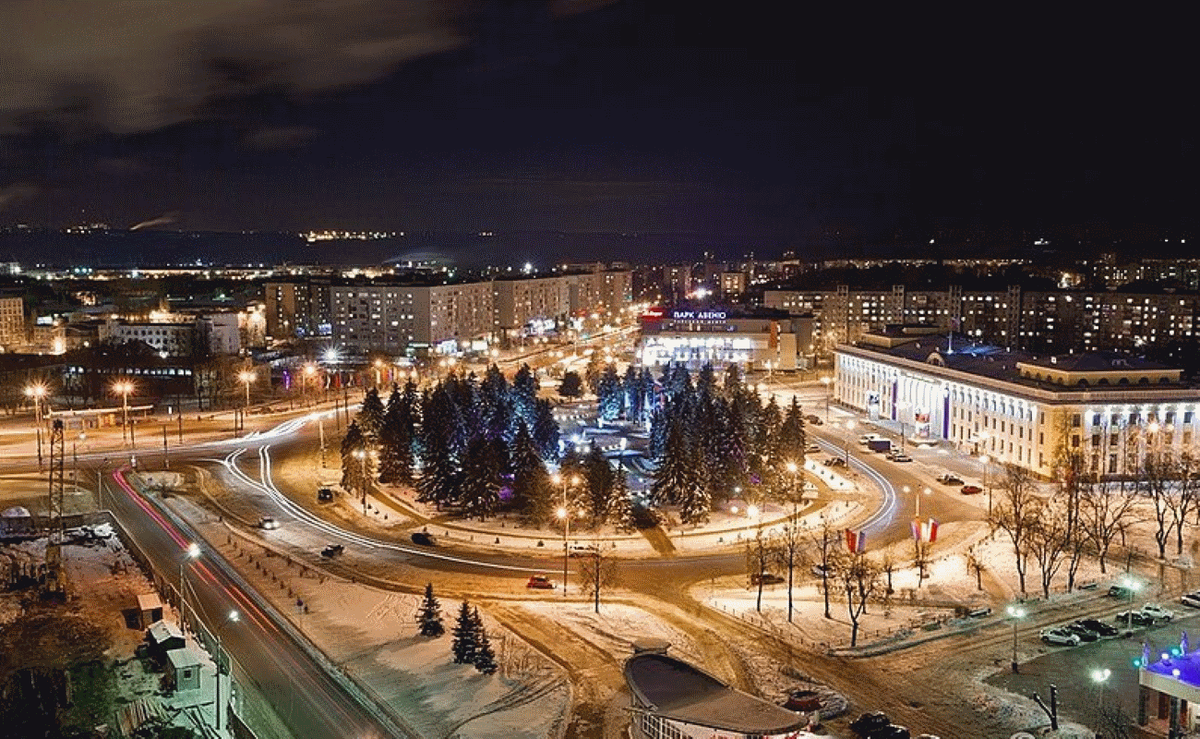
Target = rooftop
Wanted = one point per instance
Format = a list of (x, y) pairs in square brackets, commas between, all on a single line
[(679, 691)]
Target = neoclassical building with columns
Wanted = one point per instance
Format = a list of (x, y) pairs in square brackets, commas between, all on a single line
[(1019, 407)]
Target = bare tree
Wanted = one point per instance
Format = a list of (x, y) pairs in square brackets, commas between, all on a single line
[(1155, 482), (1187, 494), (1105, 511), (824, 540), (858, 579), (1048, 540), (1016, 514), (789, 553), (760, 553), (597, 571), (887, 565), (975, 566)]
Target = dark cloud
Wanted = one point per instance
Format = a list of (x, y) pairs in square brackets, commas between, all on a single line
[(15, 193)]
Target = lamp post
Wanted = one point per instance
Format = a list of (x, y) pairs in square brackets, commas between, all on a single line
[(1015, 613), (124, 388), (1100, 676), (189, 555), (827, 381), (247, 377), (37, 391), (987, 482), (564, 515), (901, 407), (361, 455), (232, 618), (849, 429), (925, 491), (310, 374)]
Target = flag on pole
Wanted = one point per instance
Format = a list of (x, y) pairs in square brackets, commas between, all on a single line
[(856, 541), (931, 527), (924, 530)]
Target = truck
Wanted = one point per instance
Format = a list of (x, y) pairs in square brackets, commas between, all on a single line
[(879, 445)]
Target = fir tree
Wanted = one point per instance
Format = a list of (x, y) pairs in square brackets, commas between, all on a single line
[(464, 644), (621, 508), (792, 436), (631, 395), (395, 445), (545, 430), (591, 373), (677, 474), (524, 394), (485, 656), (353, 445), (370, 415), (480, 491), (429, 616), (608, 394), (571, 386), (599, 476), (531, 483)]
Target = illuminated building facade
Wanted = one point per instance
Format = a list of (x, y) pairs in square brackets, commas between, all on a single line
[(1018, 407), (695, 337)]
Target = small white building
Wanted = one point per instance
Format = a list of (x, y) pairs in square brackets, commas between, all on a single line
[(183, 668)]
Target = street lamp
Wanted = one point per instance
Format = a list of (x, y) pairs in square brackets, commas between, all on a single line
[(987, 482), (124, 388), (849, 429), (189, 555), (310, 374), (1131, 585), (925, 491), (37, 391), (1015, 613), (564, 515), (900, 408), (247, 377), (827, 381), (1100, 676), (232, 618), (361, 455)]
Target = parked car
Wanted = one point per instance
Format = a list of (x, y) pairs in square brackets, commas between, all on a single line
[(866, 439), (1192, 599), (835, 462), (1157, 612), (805, 701), (812, 449), (324, 495), (868, 722), (1059, 635), (948, 479), (1119, 591), (423, 538), (583, 551), (1135, 618), (540, 582), (970, 490), (813, 419), (901, 457), (268, 523), (1100, 627), (891, 731), (1083, 632), (767, 578), (332, 550)]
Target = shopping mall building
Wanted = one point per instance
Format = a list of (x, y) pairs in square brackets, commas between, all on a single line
[(1018, 407), (755, 341)]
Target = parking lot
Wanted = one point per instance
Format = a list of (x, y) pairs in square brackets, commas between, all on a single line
[(1071, 668)]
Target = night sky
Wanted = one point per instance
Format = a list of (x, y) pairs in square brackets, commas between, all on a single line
[(756, 125)]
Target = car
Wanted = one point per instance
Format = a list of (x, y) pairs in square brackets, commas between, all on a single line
[(332, 550), (814, 420), (267, 523), (949, 479), (901, 457), (1120, 591), (1059, 635), (1099, 627), (423, 538), (1191, 600), (891, 731), (804, 701), (324, 495), (835, 462), (540, 582), (1157, 612), (1083, 632), (868, 722), (866, 439), (812, 449), (1135, 618), (766, 578), (821, 570), (970, 490), (584, 551)]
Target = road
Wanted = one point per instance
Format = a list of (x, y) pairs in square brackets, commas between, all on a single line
[(309, 700)]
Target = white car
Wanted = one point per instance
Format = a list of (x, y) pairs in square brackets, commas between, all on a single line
[(267, 523), (1191, 599), (1059, 635), (1157, 612)]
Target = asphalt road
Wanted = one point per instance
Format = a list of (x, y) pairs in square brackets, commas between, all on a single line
[(303, 694)]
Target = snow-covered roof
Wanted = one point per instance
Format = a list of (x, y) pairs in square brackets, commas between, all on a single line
[(676, 690), (161, 631), (148, 601)]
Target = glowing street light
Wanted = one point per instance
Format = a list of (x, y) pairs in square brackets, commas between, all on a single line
[(232, 618), (827, 381), (564, 514), (1016, 613), (124, 388), (246, 377), (37, 391)]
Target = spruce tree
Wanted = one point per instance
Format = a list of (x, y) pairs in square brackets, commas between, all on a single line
[(524, 394), (353, 444), (480, 487), (545, 430), (608, 394), (599, 476), (370, 415), (464, 645), (531, 483), (485, 656), (621, 508), (792, 436), (571, 385), (677, 473), (430, 614)]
